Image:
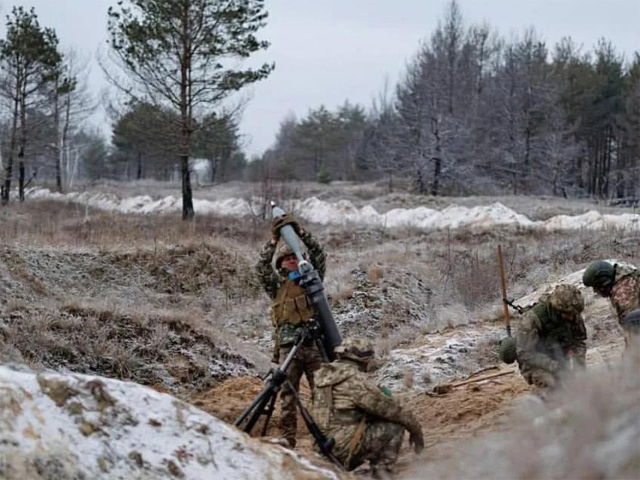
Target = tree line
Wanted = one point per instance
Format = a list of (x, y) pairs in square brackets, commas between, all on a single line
[(173, 64), (475, 113)]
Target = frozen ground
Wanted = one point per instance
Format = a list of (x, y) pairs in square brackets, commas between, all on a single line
[(79, 427), (86, 287)]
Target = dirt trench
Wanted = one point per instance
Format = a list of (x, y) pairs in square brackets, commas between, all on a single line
[(448, 420)]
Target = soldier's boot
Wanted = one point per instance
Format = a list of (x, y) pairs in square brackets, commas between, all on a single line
[(288, 419)]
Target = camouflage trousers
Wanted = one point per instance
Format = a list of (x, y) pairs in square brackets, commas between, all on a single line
[(306, 361), (380, 445)]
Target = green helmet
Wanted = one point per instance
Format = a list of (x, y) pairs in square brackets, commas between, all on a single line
[(283, 250), (566, 298), (507, 350), (356, 349), (599, 274)]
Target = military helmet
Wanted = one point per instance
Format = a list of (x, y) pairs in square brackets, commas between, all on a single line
[(356, 349), (283, 250), (566, 298), (598, 274), (631, 321), (507, 350)]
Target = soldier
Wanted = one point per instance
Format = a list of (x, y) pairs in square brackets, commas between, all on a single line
[(620, 283), (290, 310), (551, 336), (349, 407)]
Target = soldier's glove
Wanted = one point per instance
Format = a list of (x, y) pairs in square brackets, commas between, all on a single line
[(281, 221), (416, 439)]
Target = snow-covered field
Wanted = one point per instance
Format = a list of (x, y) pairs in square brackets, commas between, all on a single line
[(344, 212)]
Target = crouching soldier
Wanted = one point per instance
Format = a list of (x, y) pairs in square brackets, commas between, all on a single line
[(290, 311), (349, 407), (619, 283), (551, 337)]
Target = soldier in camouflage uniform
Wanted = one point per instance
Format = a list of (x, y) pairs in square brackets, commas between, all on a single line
[(290, 310), (349, 407), (620, 283), (551, 337)]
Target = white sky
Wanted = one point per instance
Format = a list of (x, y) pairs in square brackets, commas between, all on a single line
[(327, 51)]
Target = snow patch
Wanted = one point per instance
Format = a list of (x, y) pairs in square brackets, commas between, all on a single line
[(76, 426), (344, 212)]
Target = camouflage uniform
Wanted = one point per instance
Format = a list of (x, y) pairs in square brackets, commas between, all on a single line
[(290, 310), (365, 423), (545, 339), (625, 294)]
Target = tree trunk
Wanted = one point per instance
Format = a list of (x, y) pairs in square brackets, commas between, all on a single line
[(436, 176), (139, 171), (187, 196), (8, 173), (186, 115), (21, 174), (422, 187), (435, 128), (213, 165), (56, 121), (64, 151), (23, 140)]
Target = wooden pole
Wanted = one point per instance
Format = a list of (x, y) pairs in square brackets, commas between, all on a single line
[(503, 283)]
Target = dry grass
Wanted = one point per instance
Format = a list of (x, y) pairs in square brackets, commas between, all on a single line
[(171, 350), (388, 284), (69, 225), (375, 274)]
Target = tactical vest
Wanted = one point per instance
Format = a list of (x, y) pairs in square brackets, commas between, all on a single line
[(291, 305), (557, 335)]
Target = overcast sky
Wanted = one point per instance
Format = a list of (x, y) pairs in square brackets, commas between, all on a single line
[(327, 51)]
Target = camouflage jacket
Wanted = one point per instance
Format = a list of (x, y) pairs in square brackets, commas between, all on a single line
[(625, 294), (273, 281), (344, 396), (544, 339)]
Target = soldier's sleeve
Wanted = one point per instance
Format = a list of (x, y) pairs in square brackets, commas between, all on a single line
[(625, 296), (580, 342), (526, 340), (316, 253), (268, 278), (368, 396)]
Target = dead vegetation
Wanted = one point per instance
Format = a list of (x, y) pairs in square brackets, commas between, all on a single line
[(176, 305), (175, 351)]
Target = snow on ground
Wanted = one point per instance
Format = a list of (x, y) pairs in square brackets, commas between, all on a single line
[(344, 212), (438, 357), (77, 426), (443, 356)]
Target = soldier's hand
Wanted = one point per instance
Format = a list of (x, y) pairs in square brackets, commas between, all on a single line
[(281, 221), (416, 439)]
